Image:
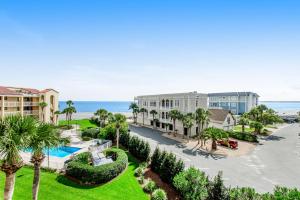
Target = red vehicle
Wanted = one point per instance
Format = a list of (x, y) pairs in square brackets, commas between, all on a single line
[(228, 143)]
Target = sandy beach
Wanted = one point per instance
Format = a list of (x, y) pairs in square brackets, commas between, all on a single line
[(87, 115)]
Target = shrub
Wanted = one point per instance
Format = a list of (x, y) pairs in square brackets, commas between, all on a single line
[(155, 164), (80, 169), (159, 194), (85, 138), (243, 136), (124, 139), (90, 132), (109, 131), (139, 148), (139, 172), (150, 187), (286, 193), (217, 190), (191, 184), (243, 193), (166, 165), (141, 180)]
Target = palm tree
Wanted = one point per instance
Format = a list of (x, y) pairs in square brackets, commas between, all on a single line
[(118, 119), (135, 110), (46, 136), (198, 118), (103, 115), (174, 115), (215, 134), (257, 126), (69, 111), (153, 113), (14, 134), (57, 113), (243, 121), (143, 111), (43, 105), (188, 122), (261, 108), (254, 114)]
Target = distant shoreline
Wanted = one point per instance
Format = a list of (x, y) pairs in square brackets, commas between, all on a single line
[(88, 115)]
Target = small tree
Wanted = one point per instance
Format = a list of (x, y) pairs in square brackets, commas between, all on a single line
[(191, 184), (188, 122), (215, 134), (135, 110), (155, 164), (217, 190), (174, 115), (118, 119), (257, 126), (143, 111), (43, 105), (103, 115), (243, 121), (153, 113)]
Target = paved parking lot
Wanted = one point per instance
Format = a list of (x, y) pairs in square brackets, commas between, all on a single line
[(275, 161)]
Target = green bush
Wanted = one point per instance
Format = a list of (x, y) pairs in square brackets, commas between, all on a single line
[(109, 131), (139, 148), (159, 194), (243, 193), (124, 139), (150, 187), (166, 165), (139, 172), (217, 190), (80, 168), (85, 138), (90, 132), (243, 136), (191, 184)]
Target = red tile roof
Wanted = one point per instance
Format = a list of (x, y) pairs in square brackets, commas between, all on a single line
[(20, 91)]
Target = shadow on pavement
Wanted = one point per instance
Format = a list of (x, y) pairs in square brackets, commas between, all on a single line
[(273, 138)]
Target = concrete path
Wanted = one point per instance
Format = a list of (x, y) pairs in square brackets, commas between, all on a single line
[(275, 161)]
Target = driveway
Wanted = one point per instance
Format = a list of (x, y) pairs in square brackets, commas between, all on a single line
[(275, 161)]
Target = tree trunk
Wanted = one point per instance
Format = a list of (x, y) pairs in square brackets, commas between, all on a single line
[(198, 133), (214, 145), (118, 137), (36, 181), (243, 128), (9, 185), (143, 118)]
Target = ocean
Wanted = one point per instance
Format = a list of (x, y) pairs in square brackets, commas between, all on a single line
[(122, 106)]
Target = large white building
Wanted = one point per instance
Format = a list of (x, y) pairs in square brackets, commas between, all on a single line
[(221, 106), (164, 103)]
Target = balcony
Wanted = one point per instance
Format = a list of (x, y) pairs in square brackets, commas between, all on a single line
[(6, 113), (12, 104), (29, 103), (31, 112)]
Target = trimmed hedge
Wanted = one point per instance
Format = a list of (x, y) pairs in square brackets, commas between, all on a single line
[(80, 168), (90, 133), (243, 136), (137, 147), (166, 165)]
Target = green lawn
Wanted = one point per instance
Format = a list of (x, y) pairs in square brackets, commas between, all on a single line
[(58, 187), (238, 128), (83, 123)]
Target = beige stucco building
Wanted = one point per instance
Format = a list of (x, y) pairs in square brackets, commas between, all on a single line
[(26, 102), (164, 103)]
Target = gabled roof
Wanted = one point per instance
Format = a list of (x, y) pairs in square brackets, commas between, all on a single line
[(48, 90), (6, 91), (219, 115)]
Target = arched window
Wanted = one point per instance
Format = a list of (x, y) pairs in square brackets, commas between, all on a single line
[(163, 103), (167, 115), (167, 103), (163, 115)]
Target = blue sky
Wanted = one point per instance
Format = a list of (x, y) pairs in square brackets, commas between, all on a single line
[(117, 49)]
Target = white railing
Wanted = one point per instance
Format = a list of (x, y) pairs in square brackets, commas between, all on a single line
[(26, 103), (12, 104), (104, 144), (11, 112), (31, 112)]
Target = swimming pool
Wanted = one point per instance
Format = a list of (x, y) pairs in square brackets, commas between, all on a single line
[(59, 151)]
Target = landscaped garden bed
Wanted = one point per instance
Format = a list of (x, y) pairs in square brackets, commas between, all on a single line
[(81, 168)]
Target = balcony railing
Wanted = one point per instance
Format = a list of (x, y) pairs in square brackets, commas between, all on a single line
[(12, 113), (31, 112), (26, 103), (12, 104)]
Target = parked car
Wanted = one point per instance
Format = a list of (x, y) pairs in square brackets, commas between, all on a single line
[(229, 143)]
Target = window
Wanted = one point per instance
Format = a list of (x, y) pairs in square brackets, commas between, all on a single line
[(167, 115), (5, 98), (196, 103), (163, 115), (171, 103), (167, 103), (163, 103)]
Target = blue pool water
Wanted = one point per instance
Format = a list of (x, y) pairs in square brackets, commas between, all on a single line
[(58, 152)]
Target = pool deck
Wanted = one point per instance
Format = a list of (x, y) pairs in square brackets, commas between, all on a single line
[(58, 162)]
